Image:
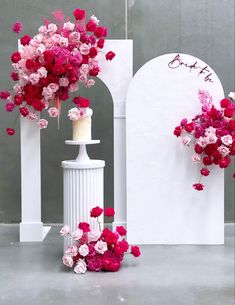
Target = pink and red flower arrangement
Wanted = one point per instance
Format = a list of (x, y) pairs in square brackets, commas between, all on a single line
[(49, 66), (95, 249), (212, 134)]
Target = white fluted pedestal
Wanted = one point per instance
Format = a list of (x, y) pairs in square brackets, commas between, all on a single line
[(83, 187)]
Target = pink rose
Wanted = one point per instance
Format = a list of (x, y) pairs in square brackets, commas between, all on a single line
[(42, 123), (53, 112), (101, 247), (83, 250), (77, 234), (17, 89), (52, 28), (73, 250), (34, 78), (83, 78), (90, 83), (68, 260), (74, 114), (63, 42), (65, 230), (74, 37), (186, 140), (80, 267), (42, 72), (53, 87), (63, 82), (223, 150), (84, 69), (69, 26), (211, 138), (32, 116), (73, 87), (202, 141), (47, 93), (94, 235), (42, 29), (196, 158), (227, 140), (84, 49)]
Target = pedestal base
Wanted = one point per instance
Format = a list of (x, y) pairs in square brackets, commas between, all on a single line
[(33, 231)]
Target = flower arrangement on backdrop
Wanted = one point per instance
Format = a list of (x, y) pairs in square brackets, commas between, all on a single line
[(212, 134), (97, 249), (50, 66)]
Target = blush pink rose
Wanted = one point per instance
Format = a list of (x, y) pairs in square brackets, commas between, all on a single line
[(227, 140), (186, 140), (77, 234), (42, 123), (84, 49), (80, 267), (68, 260), (73, 250), (83, 250), (32, 116), (94, 235), (64, 82), (202, 141), (53, 112), (65, 230), (196, 158), (223, 150), (101, 247), (34, 78), (211, 138)]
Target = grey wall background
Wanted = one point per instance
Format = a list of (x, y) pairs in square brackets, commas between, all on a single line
[(203, 28)]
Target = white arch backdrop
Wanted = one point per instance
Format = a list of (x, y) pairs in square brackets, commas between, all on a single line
[(117, 76)]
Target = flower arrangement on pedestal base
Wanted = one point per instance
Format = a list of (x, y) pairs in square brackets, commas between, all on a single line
[(95, 249)]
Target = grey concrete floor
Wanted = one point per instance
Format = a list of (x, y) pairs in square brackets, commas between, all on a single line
[(32, 274)]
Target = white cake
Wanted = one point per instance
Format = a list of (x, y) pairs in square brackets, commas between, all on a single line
[(81, 118)]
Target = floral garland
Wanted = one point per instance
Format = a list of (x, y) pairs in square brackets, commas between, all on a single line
[(97, 250), (50, 65), (212, 133)]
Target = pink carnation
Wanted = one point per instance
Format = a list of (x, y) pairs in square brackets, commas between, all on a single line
[(17, 27)]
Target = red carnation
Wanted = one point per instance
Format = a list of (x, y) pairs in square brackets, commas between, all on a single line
[(79, 14), (73, 78), (224, 163), (94, 71), (198, 149), (18, 99), (29, 64), (177, 131), (25, 40), (48, 56), (38, 105), (84, 226), (121, 230), (91, 26), (58, 69), (109, 212), (96, 212), (109, 236), (189, 127), (210, 149), (93, 52), (24, 111), (100, 43), (4, 95), (15, 57), (100, 31), (81, 102), (231, 125), (110, 55), (205, 172), (14, 76), (17, 27), (207, 161), (228, 112), (10, 131), (9, 107), (135, 250), (121, 247), (225, 103), (198, 186)]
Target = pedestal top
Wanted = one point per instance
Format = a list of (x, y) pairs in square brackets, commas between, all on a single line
[(71, 142), (73, 164)]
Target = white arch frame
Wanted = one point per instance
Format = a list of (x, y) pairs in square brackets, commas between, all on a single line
[(117, 77)]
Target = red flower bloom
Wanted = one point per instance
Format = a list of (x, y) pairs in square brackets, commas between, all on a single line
[(189, 127), (10, 131), (58, 69), (100, 31), (18, 99), (100, 43), (79, 14), (96, 212), (14, 76), (94, 71), (121, 230), (224, 163), (73, 78), (48, 56), (4, 95), (38, 105), (109, 236), (177, 131), (25, 40), (109, 212), (225, 103), (17, 27), (84, 226), (228, 112), (198, 149), (15, 57), (231, 125), (135, 250), (210, 149), (207, 161), (91, 26), (198, 186), (121, 247), (205, 172), (110, 55), (93, 52), (10, 107), (81, 102), (24, 111)]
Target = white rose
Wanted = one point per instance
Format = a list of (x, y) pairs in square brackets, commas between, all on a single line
[(42, 29), (77, 234), (227, 140), (94, 235), (65, 230), (74, 114), (41, 48), (210, 130), (223, 150), (63, 42), (88, 111), (80, 267), (52, 28), (68, 260), (101, 247), (69, 26), (37, 38), (42, 72), (94, 19), (83, 250), (83, 78), (34, 78)]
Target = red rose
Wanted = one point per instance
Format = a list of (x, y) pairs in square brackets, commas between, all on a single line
[(198, 186), (79, 14), (189, 127), (85, 59), (135, 250), (210, 149), (228, 112), (110, 55), (10, 131), (81, 102), (100, 43), (121, 247), (207, 161), (73, 78), (14, 76), (84, 226), (109, 236), (24, 111), (177, 131), (121, 230), (231, 125), (9, 107), (58, 69), (18, 99), (224, 163), (109, 212), (93, 52), (15, 57), (38, 105), (109, 265), (205, 172), (94, 71), (25, 40), (32, 91), (100, 31), (214, 113), (96, 212), (225, 103), (29, 64), (198, 149), (4, 95), (48, 56), (63, 93), (91, 26)]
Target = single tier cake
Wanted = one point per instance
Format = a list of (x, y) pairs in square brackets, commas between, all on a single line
[(81, 118)]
